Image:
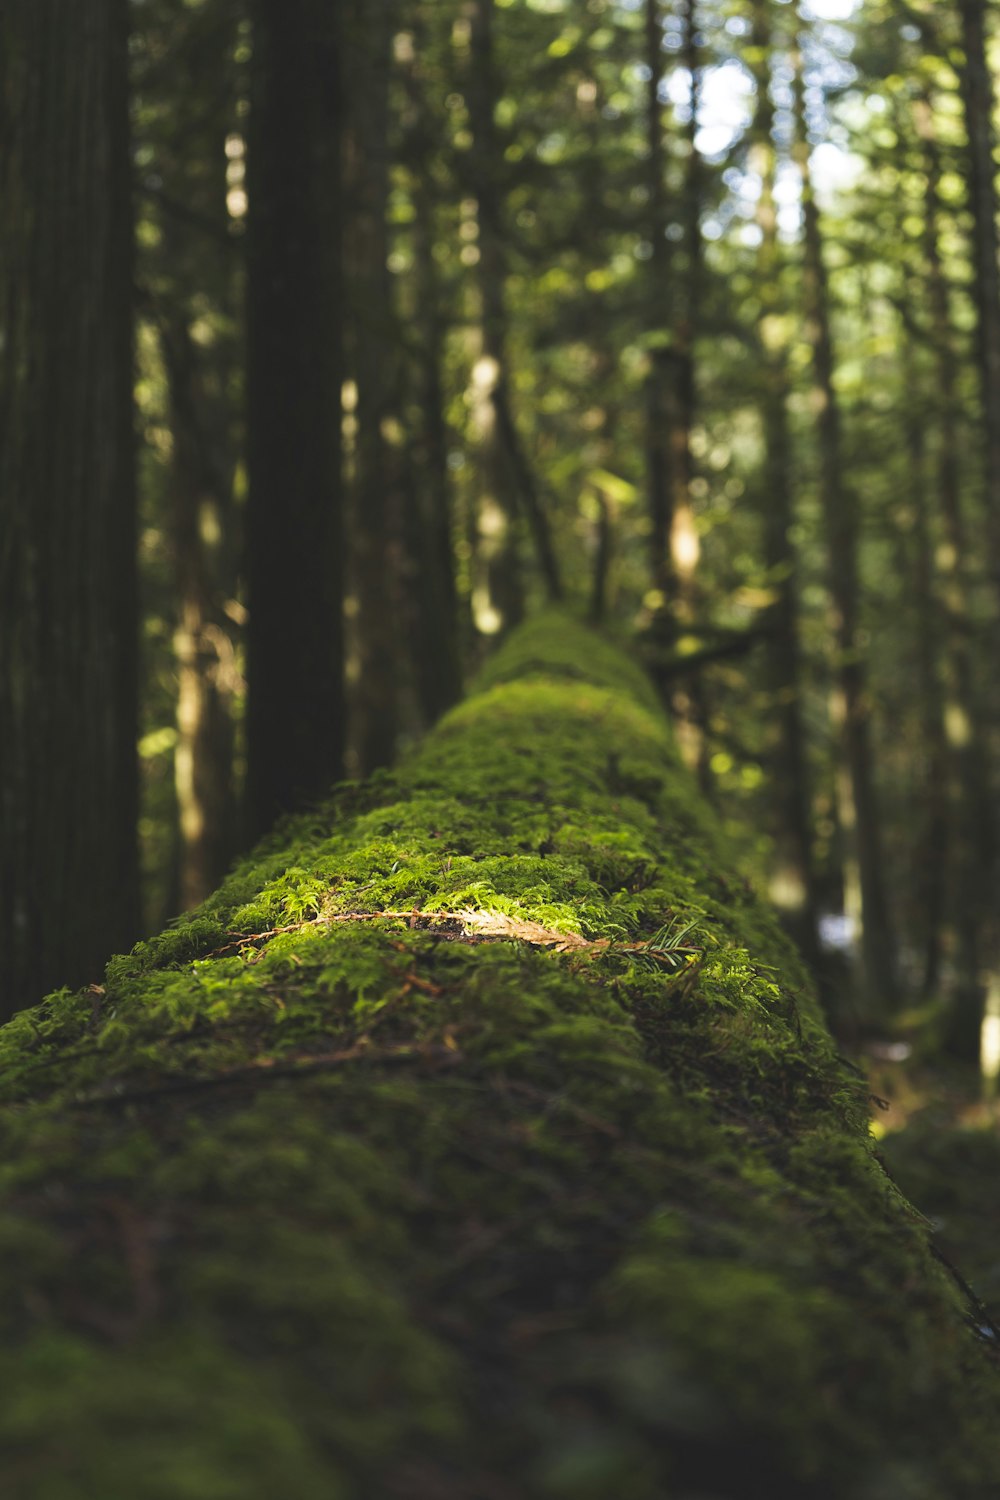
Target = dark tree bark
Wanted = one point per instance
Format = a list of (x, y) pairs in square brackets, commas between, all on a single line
[(857, 795), (68, 629), (518, 490), (190, 163), (660, 415), (793, 886), (206, 668), (374, 362), (670, 385), (933, 842), (977, 99), (962, 727), (603, 556), (440, 667), (691, 695), (683, 540), (980, 939), (434, 593), (295, 715)]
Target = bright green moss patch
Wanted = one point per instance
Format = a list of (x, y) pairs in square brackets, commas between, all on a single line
[(480, 1137)]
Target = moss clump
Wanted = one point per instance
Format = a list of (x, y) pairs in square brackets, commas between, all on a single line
[(427, 1159)]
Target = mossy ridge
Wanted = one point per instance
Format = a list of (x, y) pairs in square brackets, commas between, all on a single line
[(524, 1223)]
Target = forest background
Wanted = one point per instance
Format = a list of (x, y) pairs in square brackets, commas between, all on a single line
[(686, 315)]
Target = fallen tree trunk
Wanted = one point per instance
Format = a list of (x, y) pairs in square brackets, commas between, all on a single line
[(479, 1139)]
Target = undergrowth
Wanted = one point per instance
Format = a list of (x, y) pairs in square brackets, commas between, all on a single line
[(480, 1137)]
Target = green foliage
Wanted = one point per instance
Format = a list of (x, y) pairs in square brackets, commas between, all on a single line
[(382, 1205)]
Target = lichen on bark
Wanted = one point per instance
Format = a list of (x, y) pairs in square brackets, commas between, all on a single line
[(312, 1200)]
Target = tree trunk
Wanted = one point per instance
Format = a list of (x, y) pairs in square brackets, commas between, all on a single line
[(68, 867), (857, 796), (933, 851), (437, 663), (793, 886), (517, 489), (980, 941), (972, 812), (207, 677), (660, 416), (684, 545), (475, 1200), (295, 714), (977, 100), (375, 530)]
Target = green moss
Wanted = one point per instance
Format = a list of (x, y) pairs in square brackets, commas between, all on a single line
[(328, 1193)]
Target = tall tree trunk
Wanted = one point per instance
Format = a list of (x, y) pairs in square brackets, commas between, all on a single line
[(206, 667), (977, 100), (684, 545), (437, 638), (190, 156), (660, 415), (690, 696), (793, 885), (68, 865), (375, 366), (933, 843), (857, 797), (972, 816), (295, 716), (518, 490), (439, 668)]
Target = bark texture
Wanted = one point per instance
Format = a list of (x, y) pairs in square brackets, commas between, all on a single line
[(295, 716), (437, 627), (963, 727), (68, 876), (978, 100), (865, 897), (794, 886), (517, 491), (207, 676), (376, 523)]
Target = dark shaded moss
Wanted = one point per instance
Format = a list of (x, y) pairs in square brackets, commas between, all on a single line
[(315, 1201), (951, 1173)]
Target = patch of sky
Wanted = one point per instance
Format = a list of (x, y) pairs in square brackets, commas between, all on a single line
[(834, 171), (724, 106), (831, 10)]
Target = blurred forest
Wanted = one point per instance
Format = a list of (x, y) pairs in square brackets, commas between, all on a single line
[(683, 312)]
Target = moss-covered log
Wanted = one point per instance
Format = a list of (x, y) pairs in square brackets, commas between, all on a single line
[(479, 1140)]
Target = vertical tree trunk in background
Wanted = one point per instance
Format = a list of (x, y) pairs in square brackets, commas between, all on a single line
[(857, 798), (189, 151), (206, 667), (295, 716), (684, 545), (977, 100), (976, 84), (375, 519), (963, 726), (68, 805), (933, 850), (689, 699), (793, 887), (437, 660), (660, 416), (517, 489)]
